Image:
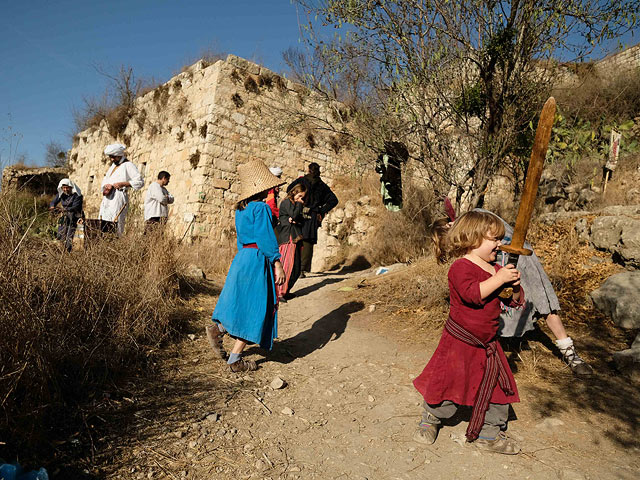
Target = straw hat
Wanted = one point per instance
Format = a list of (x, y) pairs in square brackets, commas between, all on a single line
[(255, 177)]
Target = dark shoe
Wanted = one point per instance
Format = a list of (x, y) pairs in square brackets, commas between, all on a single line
[(282, 299), (577, 365), (302, 275), (243, 365), (214, 335), (289, 296), (501, 444)]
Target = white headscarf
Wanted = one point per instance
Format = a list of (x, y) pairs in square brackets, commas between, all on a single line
[(115, 149), (277, 171), (65, 182)]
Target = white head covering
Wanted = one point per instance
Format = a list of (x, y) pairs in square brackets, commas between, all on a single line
[(277, 171), (65, 182), (115, 149)]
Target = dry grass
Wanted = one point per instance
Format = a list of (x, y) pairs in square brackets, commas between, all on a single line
[(70, 323), (405, 233)]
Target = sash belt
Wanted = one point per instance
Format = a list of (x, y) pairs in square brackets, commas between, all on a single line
[(495, 372), (250, 245)]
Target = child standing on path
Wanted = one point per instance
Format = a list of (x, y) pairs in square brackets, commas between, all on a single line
[(469, 367), (289, 234), (247, 306)]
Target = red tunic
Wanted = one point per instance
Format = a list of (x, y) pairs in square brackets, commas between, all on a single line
[(455, 370), (272, 198)]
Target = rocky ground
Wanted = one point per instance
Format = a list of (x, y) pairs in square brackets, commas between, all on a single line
[(334, 400)]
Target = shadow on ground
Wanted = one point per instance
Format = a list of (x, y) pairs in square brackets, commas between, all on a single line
[(327, 328), (607, 392)]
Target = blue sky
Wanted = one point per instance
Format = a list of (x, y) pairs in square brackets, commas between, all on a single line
[(48, 49)]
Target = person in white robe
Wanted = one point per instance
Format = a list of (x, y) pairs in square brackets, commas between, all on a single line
[(121, 176), (156, 202)]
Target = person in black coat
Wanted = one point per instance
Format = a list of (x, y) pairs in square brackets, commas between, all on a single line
[(318, 202)]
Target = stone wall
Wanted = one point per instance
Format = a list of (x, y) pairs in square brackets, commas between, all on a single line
[(199, 126), (624, 61), (37, 181)]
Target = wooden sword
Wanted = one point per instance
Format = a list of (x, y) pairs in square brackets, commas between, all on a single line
[(534, 171)]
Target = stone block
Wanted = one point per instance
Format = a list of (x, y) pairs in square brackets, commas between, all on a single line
[(221, 184)]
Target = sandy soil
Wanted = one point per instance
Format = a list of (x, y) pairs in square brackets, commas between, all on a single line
[(348, 410)]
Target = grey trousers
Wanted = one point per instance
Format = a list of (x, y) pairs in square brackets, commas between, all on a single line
[(494, 420)]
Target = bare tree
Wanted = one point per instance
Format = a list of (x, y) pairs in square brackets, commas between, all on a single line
[(458, 82), (55, 154)]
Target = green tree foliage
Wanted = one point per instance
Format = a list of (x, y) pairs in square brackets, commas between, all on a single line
[(458, 81)]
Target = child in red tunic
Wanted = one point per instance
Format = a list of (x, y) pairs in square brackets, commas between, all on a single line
[(469, 366)]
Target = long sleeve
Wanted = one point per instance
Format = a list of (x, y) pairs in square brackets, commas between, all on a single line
[(329, 201), (55, 201), (265, 238), (133, 176), (170, 198)]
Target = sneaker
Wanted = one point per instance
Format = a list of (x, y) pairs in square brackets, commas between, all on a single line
[(577, 365), (501, 444), (243, 365), (214, 335), (426, 433)]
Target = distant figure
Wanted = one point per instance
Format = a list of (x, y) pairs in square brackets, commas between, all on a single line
[(318, 202), (70, 199), (156, 200), (273, 195), (389, 166), (122, 174)]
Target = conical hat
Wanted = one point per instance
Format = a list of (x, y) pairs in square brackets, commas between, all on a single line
[(255, 177)]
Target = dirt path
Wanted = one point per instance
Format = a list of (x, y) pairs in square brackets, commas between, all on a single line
[(348, 411)]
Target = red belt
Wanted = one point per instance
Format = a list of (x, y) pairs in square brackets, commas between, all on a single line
[(250, 245)]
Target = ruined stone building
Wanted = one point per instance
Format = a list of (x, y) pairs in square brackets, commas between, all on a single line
[(199, 126)]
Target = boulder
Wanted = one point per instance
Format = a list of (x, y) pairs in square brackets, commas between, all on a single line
[(628, 361), (586, 197), (619, 298), (619, 235)]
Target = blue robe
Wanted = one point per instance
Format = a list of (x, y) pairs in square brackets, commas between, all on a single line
[(246, 307)]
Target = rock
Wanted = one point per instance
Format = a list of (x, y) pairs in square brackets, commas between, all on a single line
[(632, 195), (191, 336), (372, 308), (628, 361), (586, 198), (371, 398), (194, 271), (287, 411), (278, 383), (179, 433), (619, 298), (364, 200), (213, 417), (193, 444), (550, 424), (619, 235), (582, 229), (570, 475)]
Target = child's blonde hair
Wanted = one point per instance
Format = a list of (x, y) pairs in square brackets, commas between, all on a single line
[(465, 234)]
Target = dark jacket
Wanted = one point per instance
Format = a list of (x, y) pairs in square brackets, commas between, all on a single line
[(286, 229), (318, 200), (71, 204)]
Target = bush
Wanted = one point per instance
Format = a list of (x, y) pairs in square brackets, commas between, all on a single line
[(72, 322)]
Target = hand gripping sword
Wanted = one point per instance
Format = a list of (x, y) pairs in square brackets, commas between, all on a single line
[(534, 171)]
